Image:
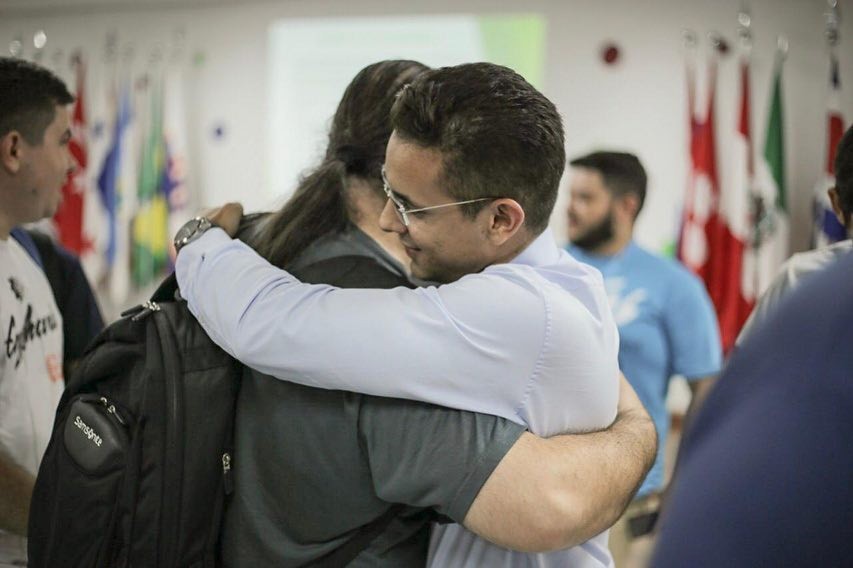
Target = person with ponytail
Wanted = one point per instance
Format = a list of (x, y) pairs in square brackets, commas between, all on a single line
[(336, 200)]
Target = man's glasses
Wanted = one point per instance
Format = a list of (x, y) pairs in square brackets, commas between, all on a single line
[(404, 212)]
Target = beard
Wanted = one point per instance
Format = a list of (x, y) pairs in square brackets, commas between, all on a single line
[(596, 235)]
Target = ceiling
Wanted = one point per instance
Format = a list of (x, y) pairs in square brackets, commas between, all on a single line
[(59, 7)]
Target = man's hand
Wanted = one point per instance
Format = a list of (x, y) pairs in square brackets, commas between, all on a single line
[(226, 217)]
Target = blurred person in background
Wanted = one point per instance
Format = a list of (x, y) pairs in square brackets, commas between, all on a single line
[(35, 161), (81, 316), (665, 318)]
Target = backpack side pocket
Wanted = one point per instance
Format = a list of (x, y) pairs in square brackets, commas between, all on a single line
[(92, 455)]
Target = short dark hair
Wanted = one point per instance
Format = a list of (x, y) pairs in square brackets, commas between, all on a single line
[(623, 174), (498, 136), (28, 98), (844, 173)]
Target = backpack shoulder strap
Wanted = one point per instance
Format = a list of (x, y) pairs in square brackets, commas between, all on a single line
[(166, 290), (357, 544), (51, 263), (26, 241)]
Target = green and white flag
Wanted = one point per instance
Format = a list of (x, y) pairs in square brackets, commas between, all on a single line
[(772, 224)]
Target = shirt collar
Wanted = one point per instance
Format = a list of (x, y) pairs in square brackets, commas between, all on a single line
[(541, 252)]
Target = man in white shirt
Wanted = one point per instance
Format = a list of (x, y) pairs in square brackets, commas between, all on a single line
[(804, 264), (522, 330), (34, 164)]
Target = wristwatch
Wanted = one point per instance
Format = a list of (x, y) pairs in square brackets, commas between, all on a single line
[(192, 229)]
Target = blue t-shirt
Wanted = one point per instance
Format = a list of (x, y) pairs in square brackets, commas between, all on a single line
[(666, 327), (764, 476)]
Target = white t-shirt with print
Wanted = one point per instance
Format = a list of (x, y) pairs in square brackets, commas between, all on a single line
[(31, 380)]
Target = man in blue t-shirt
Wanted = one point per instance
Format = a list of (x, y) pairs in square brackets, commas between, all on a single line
[(666, 321)]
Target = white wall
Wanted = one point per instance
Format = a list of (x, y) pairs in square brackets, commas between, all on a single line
[(638, 105)]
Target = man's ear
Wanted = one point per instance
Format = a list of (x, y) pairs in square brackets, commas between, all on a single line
[(10, 151), (630, 205), (506, 218), (835, 199)]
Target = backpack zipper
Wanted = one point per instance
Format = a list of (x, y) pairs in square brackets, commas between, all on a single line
[(141, 311), (111, 409), (227, 481), (148, 308)]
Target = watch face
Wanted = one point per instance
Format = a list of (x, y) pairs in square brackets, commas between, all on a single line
[(184, 232), (192, 230)]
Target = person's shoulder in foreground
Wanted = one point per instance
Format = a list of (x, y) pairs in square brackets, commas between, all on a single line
[(764, 478), (794, 272)]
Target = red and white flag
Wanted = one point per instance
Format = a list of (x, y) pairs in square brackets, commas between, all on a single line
[(69, 216), (700, 206), (734, 288), (716, 223)]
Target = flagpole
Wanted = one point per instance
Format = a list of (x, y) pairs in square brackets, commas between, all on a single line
[(833, 23), (757, 208), (744, 32), (689, 43), (711, 266)]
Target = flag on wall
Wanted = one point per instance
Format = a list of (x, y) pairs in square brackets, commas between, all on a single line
[(117, 184), (772, 225), (150, 224), (108, 177), (700, 206), (717, 228), (175, 173), (827, 229), (702, 238), (128, 180), (69, 217), (101, 118), (732, 284)]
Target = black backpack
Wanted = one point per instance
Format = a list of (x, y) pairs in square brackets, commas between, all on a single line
[(138, 465), (137, 470)]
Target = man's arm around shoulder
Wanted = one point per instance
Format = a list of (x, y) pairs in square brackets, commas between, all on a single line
[(555, 493)]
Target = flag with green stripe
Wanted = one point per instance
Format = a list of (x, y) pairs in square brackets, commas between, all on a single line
[(772, 226)]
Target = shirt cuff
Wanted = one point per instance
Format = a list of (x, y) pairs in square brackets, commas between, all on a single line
[(213, 237), (190, 255)]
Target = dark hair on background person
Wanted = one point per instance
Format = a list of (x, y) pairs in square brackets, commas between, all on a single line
[(844, 175), (357, 139), (622, 173), (499, 136), (29, 95)]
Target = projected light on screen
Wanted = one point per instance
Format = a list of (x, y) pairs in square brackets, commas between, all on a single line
[(312, 61)]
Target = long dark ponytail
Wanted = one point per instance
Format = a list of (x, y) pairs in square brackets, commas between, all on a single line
[(359, 133)]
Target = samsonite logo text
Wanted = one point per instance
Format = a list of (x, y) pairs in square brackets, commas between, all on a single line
[(87, 430)]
